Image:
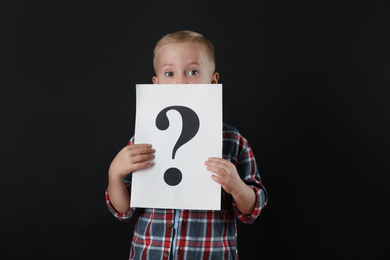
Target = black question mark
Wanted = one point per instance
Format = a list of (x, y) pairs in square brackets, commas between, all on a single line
[(190, 128)]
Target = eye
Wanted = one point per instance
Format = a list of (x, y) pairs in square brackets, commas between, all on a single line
[(192, 72), (169, 74)]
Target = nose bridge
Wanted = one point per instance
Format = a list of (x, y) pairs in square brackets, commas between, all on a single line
[(181, 79)]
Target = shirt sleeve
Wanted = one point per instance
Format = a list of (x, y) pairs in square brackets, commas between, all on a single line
[(121, 216), (249, 173), (132, 211)]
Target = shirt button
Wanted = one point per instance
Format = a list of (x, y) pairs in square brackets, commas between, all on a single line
[(169, 225), (165, 254)]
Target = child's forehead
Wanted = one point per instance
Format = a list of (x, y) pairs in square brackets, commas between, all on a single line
[(180, 48), (184, 45), (183, 52)]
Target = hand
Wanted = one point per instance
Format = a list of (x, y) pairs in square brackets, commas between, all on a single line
[(130, 159), (226, 175)]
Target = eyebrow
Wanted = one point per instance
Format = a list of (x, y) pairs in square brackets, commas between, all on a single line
[(194, 63), (169, 64)]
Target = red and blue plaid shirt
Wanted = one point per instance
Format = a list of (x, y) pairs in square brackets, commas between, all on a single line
[(201, 234)]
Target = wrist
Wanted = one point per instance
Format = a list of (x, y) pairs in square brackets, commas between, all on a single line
[(115, 177), (245, 199), (240, 190)]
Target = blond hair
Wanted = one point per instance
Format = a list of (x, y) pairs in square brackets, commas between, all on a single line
[(186, 36)]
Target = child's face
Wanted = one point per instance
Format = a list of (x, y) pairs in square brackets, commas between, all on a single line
[(184, 63)]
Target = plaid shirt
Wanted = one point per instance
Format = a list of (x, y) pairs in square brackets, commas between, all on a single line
[(201, 234)]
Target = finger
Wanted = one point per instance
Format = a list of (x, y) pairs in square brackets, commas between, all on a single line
[(219, 171), (144, 150), (218, 179), (139, 151), (136, 146), (141, 165), (142, 158), (220, 160), (217, 163)]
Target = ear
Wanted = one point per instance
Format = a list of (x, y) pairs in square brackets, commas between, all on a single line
[(155, 80), (215, 78)]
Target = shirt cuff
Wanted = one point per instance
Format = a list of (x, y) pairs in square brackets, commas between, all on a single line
[(120, 216), (261, 201)]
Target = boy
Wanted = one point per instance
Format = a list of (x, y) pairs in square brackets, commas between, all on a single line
[(187, 57)]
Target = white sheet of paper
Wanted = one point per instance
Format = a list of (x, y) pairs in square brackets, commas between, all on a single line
[(195, 189)]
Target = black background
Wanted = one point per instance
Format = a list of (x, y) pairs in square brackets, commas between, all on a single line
[(306, 82)]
